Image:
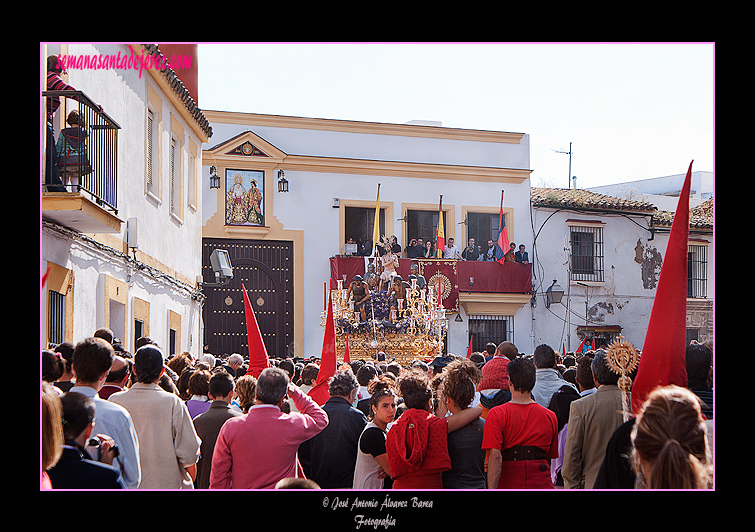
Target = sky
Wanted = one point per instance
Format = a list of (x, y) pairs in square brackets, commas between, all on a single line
[(630, 110)]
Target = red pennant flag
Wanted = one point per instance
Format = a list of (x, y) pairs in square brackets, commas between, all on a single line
[(469, 349), (440, 238), (328, 362), (503, 235), (663, 358), (346, 352), (45, 276), (581, 345), (593, 343), (258, 359)]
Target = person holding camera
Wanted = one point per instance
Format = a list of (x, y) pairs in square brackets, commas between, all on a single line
[(92, 361), (76, 469), (411, 250)]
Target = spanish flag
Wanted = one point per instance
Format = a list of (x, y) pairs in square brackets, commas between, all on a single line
[(440, 242), (503, 234)]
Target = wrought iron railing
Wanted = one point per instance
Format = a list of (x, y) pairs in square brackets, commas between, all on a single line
[(87, 149)]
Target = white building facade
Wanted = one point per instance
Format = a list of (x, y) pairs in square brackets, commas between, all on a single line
[(606, 254), (131, 263), (333, 169)]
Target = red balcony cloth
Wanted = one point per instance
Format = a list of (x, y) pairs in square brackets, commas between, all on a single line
[(510, 277)]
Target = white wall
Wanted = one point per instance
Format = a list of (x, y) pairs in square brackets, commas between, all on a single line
[(308, 204), (175, 246), (621, 300)]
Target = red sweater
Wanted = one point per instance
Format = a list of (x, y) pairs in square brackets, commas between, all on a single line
[(417, 447)]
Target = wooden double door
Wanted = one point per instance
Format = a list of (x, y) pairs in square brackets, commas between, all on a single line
[(265, 269)]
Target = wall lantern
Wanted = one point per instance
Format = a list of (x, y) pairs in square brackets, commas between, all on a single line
[(214, 177), (282, 183), (553, 294)]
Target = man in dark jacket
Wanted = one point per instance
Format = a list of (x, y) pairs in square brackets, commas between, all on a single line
[(333, 452), (208, 423)]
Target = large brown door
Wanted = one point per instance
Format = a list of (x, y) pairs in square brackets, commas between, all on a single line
[(265, 269)]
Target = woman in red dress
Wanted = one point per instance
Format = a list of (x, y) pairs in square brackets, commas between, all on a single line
[(522, 436)]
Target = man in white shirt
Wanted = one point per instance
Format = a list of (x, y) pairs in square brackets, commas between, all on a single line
[(451, 251), (92, 360)]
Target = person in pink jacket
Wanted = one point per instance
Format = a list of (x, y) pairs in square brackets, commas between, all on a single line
[(256, 450)]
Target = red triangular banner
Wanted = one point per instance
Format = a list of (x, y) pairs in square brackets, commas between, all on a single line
[(663, 357), (258, 359), (328, 363), (346, 352)]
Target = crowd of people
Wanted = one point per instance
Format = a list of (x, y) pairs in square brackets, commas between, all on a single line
[(418, 248), (499, 419)]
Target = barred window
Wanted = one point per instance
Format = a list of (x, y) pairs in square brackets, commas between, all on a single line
[(56, 317), (697, 271), (485, 329), (586, 243)]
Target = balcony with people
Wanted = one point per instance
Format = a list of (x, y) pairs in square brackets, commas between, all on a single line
[(80, 181)]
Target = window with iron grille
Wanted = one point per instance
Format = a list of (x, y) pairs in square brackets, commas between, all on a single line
[(56, 317), (697, 271), (586, 243), (484, 329)]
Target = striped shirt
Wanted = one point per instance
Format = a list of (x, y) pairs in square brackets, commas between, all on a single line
[(54, 83)]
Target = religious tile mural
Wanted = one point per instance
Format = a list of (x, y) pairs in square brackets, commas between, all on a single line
[(244, 192)]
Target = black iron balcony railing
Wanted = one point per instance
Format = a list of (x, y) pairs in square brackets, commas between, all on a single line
[(87, 149)]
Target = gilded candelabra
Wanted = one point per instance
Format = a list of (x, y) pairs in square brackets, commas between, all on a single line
[(405, 329)]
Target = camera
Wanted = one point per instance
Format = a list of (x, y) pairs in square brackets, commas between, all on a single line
[(94, 448)]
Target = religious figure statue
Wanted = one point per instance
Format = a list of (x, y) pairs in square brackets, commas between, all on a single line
[(254, 204), (236, 202)]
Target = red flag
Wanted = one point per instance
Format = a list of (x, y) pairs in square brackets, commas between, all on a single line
[(663, 358), (469, 349), (581, 345), (258, 359), (346, 353), (593, 343), (45, 276), (563, 348), (328, 362), (503, 235)]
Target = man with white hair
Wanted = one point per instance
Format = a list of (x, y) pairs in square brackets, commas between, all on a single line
[(208, 359), (235, 361)]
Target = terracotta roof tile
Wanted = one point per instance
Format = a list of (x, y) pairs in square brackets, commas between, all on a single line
[(700, 217), (564, 197), (182, 92)]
